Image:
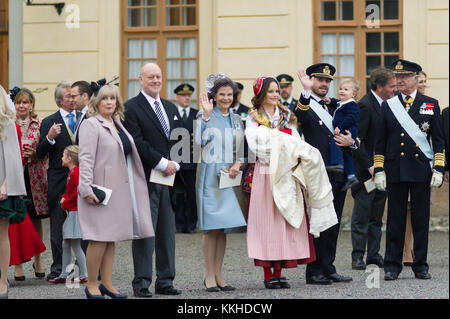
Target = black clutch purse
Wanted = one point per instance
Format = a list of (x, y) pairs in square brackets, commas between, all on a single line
[(99, 193)]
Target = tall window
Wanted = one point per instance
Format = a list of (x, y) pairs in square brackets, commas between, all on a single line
[(357, 36), (164, 32), (4, 44)]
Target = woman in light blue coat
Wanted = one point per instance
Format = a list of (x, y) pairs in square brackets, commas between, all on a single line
[(221, 135)]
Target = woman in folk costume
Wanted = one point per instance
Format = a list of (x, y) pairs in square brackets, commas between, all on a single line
[(289, 175), (221, 134)]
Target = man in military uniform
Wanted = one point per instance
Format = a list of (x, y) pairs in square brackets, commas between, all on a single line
[(316, 123), (240, 108), (185, 205), (405, 163), (286, 97)]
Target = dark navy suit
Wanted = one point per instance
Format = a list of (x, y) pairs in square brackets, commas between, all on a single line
[(369, 207), (319, 136), (408, 170), (292, 106), (345, 117), (184, 200)]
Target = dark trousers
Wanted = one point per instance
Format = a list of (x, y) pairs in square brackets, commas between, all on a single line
[(396, 225), (366, 222), (56, 188), (163, 244), (325, 245), (342, 156), (185, 205)]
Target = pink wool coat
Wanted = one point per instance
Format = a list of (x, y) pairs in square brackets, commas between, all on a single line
[(102, 162)]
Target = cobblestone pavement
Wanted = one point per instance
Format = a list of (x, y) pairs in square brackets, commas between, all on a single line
[(240, 272)]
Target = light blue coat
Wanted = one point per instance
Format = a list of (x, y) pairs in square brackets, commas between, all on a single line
[(220, 138)]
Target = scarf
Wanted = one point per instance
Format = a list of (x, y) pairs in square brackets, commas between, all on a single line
[(262, 118)]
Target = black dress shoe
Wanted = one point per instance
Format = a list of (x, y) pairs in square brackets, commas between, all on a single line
[(52, 275), (226, 288), (142, 293), (339, 278), (284, 283), (376, 261), (273, 283), (211, 289), (358, 264), (38, 274), (390, 276), (19, 278), (167, 291), (423, 275), (318, 280)]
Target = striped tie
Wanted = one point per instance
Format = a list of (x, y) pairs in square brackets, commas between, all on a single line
[(161, 119)]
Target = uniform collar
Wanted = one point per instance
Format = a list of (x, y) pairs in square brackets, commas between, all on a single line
[(316, 98), (289, 100), (180, 110), (413, 95)]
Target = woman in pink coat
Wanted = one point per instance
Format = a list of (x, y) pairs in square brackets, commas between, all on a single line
[(109, 158)]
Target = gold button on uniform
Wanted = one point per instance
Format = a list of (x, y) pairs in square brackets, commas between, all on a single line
[(402, 144), (417, 155), (402, 154), (403, 134)]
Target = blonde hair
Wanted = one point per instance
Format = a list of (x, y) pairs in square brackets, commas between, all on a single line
[(107, 90), (6, 114), (356, 85), (25, 94), (72, 152)]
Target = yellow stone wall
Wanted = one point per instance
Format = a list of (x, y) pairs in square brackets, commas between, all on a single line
[(54, 52), (426, 41), (253, 38), (244, 39)]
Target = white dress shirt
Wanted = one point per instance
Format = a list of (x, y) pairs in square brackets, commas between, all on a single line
[(64, 114), (288, 101), (379, 99), (180, 110), (84, 111), (151, 100)]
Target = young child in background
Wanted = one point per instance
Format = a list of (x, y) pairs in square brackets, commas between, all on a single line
[(345, 118), (71, 228)]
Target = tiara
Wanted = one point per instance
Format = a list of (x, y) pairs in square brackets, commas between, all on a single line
[(213, 78)]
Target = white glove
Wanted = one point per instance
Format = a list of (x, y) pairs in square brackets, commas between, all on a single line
[(380, 181), (436, 179)]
